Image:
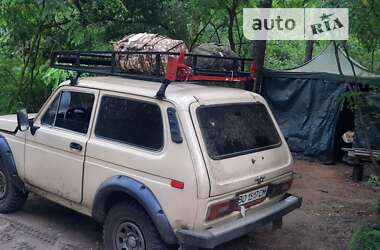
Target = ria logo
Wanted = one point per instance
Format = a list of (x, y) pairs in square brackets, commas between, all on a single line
[(328, 23), (260, 179), (296, 23)]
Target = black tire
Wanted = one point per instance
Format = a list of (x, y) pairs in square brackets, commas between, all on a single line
[(131, 215), (11, 198)]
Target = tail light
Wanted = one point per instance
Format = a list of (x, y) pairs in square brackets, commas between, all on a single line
[(280, 188), (221, 209)]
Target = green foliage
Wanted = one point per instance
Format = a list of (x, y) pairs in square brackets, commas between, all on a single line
[(374, 181), (368, 31), (363, 55), (31, 29), (288, 54), (366, 238), (53, 77), (7, 78)]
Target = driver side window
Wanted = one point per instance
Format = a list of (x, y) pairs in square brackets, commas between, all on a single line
[(70, 110)]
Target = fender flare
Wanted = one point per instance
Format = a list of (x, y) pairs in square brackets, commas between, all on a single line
[(142, 194), (8, 164)]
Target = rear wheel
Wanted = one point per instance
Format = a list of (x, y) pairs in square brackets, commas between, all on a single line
[(11, 198), (128, 227)]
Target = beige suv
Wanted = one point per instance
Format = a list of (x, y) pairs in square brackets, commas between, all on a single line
[(198, 168)]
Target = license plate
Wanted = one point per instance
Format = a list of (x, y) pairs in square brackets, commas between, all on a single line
[(252, 196)]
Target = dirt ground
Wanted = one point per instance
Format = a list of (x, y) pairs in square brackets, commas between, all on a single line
[(333, 205)]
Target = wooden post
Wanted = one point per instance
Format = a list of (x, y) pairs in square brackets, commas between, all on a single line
[(357, 172)]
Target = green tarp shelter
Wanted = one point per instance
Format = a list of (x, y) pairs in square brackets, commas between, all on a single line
[(306, 102)]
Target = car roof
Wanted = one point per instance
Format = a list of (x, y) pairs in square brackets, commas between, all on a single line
[(176, 91)]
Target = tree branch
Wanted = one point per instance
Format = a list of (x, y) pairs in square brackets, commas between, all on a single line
[(198, 35), (216, 29)]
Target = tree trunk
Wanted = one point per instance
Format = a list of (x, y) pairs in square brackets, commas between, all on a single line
[(231, 21), (373, 60), (309, 50), (259, 48)]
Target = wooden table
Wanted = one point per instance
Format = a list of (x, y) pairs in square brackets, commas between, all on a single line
[(357, 157)]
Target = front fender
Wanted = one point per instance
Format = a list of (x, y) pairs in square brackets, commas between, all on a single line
[(142, 194), (7, 163)]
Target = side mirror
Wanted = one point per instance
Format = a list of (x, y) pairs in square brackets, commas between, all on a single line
[(22, 120)]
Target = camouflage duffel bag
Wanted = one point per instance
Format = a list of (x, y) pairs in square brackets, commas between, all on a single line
[(145, 42)]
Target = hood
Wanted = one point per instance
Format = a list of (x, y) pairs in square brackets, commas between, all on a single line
[(8, 123)]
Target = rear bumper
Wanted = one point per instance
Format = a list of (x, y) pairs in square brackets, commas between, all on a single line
[(215, 236)]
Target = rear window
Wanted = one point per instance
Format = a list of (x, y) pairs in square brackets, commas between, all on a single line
[(132, 122), (235, 129)]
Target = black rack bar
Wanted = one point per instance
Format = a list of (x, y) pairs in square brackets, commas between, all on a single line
[(105, 63), (108, 54)]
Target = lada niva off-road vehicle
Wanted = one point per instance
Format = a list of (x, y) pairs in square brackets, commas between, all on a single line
[(158, 165)]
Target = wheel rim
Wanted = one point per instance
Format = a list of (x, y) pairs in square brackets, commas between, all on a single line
[(3, 185), (129, 237)]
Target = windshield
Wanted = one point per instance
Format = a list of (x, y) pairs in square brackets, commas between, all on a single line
[(234, 129)]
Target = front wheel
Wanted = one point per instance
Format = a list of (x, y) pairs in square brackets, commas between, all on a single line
[(128, 227), (11, 198)]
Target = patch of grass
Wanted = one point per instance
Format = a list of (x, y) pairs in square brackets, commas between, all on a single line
[(374, 181), (366, 238)]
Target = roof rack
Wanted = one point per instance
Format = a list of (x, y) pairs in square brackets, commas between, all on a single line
[(177, 68)]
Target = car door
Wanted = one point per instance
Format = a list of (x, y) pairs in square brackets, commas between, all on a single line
[(54, 155)]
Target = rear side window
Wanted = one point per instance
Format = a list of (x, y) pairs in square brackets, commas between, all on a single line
[(132, 122), (235, 129)]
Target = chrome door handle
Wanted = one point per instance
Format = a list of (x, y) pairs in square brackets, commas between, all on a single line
[(76, 147)]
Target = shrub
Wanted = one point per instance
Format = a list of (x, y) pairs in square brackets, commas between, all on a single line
[(366, 238)]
